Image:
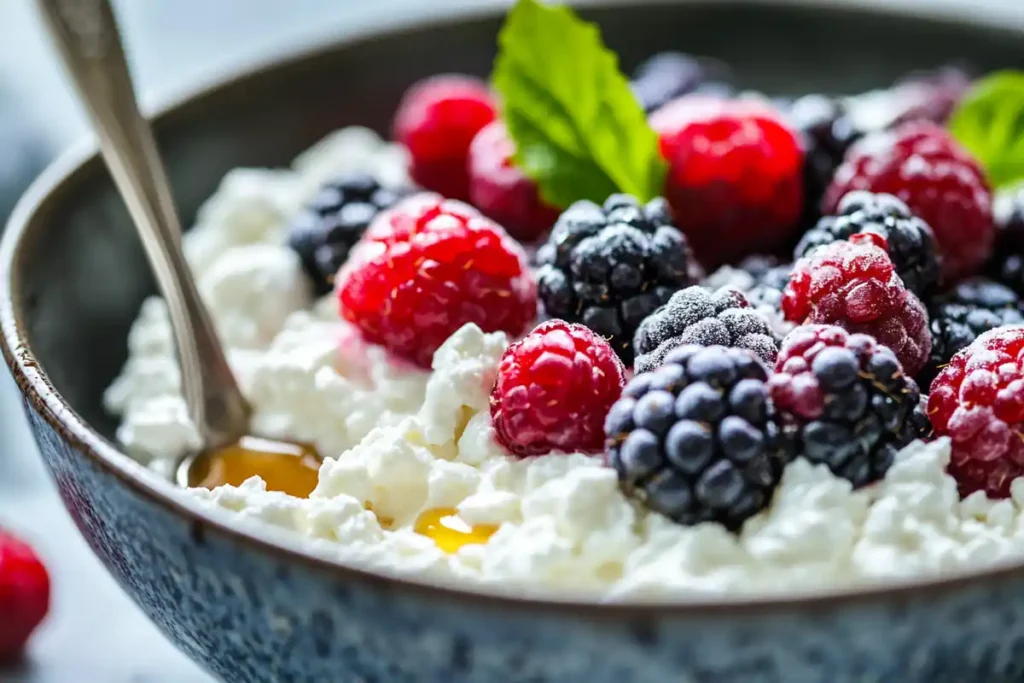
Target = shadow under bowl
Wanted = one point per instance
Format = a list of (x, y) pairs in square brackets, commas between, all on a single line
[(257, 608)]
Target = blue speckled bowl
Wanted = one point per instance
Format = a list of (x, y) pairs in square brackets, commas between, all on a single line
[(257, 609)]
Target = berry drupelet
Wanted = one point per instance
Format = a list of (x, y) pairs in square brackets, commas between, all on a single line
[(610, 267), (668, 75), (978, 402), (699, 316), (960, 316), (331, 224), (909, 241), (554, 389), (1007, 262), (698, 439), (854, 285), (922, 165), (848, 400)]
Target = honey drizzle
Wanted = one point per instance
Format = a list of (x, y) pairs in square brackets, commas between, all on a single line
[(286, 467)]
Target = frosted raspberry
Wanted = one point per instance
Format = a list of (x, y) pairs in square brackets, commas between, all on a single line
[(978, 402), (427, 267), (921, 164), (854, 285), (437, 120), (735, 180), (554, 389)]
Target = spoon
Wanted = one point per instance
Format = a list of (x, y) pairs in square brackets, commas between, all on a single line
[(86, 35)]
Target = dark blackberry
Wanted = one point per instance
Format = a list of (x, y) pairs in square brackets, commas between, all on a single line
[(668, 75), (610, 267), (847, 399), (697, 315), (958, 317), (767, 271), (827, 131), (909, 241), (698, 439), (1007, 262), (333, 222)]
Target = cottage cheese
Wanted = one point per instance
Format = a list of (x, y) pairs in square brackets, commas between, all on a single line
[(401, 441)]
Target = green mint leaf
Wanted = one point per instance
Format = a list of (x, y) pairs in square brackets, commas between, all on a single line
[(990, 124), (579, 131)]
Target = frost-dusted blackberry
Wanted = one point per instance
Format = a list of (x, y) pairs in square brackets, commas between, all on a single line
[(1007, 263), (610, 267), (960, 316), (697, 315), (333, 222), (847, 399), (668, 75), (698, 439), (827, 132), (908, 239)]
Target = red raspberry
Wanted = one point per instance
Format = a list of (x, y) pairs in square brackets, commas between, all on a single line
[(938, 179), (437, 120), (554, 389), (24, 595), (428, 266), (978, 402), (735, 175), (854, 285), (500, 190)]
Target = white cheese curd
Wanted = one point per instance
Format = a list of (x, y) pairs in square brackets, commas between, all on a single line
[(400, 443)]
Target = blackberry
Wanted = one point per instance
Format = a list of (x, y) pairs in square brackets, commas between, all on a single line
[(668, 75), (697, 315), (1007, 262), (960, 316), (827, 131), (698, 439), (908, 239), (847, 400), (333, 222), (767, 271), (610, 267)]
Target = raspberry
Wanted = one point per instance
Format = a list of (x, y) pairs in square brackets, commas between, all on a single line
[(959, 317), (500, 190), (24, 595), (827, 132), (437, 120), (698, 439), (978, 402), (428, 266), (1007, 264), (333, 222), (668, 75), (922, 165), (854, 285), (610, 267), (847, 396), (553, 390), (699, 316), (909, 241), (735, 175)]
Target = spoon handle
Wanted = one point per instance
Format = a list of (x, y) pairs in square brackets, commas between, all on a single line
[(88, 40)]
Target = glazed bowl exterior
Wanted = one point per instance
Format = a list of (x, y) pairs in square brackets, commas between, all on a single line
[(252, 606)]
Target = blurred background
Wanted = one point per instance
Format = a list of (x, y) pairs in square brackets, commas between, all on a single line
[(94, 634)]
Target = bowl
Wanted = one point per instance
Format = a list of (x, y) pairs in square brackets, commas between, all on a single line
[(253, 606)]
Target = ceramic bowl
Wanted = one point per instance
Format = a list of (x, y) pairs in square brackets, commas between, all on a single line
[(255, 608)]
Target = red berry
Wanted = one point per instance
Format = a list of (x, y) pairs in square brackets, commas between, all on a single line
[(938, 179), (735, 175), (437, 120), (500, 190), (428, 266), (854, 285), (554, 389), (24, 595), (978, 402)]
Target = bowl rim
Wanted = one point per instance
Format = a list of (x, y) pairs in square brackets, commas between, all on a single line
[(76, 164)]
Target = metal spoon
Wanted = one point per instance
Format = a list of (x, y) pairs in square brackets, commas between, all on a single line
[(88, 40)]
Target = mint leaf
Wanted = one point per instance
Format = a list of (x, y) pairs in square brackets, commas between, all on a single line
[(578, 129), (990, 124)]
